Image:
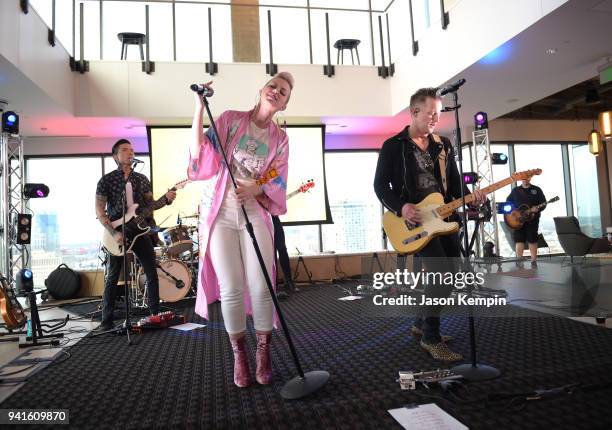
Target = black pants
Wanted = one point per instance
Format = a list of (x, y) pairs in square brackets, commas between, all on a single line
[(281, 249), (441, 255), (143, 248)]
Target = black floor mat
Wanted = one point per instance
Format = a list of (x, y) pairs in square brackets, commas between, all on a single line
[(173, 379)]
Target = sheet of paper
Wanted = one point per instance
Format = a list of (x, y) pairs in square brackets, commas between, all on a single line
[(349, 298), (188, 326), (426, 417)]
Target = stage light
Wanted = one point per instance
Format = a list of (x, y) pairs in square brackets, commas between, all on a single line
[(499, 158), (24, 282), (35, 191), (504, 208), (24, 229), (481, 121), (470, 178), (10, 122)]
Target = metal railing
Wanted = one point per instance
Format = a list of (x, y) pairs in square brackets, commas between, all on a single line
[(95, 13)]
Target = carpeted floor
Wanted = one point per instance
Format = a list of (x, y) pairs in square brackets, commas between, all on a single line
[(173, 379)]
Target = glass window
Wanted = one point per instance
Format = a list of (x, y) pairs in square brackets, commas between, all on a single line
[(192, 33), (585, 189), (302, 240), (356, 211), (342, 25), (289, 34), (64, 225), (44, 10), (399, 29), (549, 159), (125, 16), (91, 30)]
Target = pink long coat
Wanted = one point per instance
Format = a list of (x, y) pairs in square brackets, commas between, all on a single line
[(232, 125)]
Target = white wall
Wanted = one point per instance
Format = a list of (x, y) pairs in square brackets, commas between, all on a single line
[(76, 145), (122, 89), (23, 42), (476, 28)]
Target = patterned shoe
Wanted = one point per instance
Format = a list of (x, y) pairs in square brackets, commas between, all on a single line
[(417, 332), (439, 351), (242, 376)]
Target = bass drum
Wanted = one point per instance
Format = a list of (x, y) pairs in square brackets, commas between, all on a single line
[(170, 290)]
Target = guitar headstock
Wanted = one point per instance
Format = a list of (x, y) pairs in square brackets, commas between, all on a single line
[(306, 186), (527, 174)]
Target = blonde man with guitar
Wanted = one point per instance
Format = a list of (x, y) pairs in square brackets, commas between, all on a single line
[(109, 208), (412, 165), (533, 197)]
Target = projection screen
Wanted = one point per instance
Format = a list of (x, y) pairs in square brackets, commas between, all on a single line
[(168, 147)]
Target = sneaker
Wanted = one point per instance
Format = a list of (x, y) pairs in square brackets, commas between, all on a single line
[(417, 332), (439, 351), (534, 264), (281, 295)]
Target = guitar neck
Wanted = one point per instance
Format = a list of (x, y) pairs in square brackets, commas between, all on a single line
[(293, 194), (449, 208)]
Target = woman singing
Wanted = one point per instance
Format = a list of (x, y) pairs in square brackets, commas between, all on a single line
[(257, 151)]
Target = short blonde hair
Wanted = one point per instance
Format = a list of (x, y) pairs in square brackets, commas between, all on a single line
[(287, 77)]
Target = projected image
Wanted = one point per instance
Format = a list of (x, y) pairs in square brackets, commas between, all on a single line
[(306, 190)]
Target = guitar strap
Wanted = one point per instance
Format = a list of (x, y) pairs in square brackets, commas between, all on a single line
[(442, 161)]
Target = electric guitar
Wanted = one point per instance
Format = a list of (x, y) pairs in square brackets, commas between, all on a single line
[(518, 217), (135, 224), (302, 189), (409, 239), (10, 308)]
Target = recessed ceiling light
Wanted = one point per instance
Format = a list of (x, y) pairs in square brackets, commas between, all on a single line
[(551, 51), (512, 100), (343, 126), (43, 128)]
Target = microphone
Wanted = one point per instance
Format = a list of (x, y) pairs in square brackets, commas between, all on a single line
[(451, 88), (137, 161), (202, 90)]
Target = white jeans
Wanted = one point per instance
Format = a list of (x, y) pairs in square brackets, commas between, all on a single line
[(236, 265)]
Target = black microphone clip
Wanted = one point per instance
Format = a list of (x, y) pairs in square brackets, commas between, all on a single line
[(202, 90)]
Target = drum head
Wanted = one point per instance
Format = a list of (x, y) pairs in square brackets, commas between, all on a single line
[(170, 290)]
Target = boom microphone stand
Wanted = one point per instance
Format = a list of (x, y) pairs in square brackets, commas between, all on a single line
[(473, 371), (305, 383)]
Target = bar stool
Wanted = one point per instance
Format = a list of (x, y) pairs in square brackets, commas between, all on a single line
[(342, 44), (131, 39)]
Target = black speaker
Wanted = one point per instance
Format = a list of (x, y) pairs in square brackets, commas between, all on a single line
[(24, 229), (63, 283)]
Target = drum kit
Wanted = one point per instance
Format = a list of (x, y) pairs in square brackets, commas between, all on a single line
[(177, 266)]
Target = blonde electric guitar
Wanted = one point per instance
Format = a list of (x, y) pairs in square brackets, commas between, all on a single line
[(135, 223), (408, 239)]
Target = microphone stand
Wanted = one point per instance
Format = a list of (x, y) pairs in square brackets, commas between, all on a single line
[(126, 327), (472, 371), (305, 383)]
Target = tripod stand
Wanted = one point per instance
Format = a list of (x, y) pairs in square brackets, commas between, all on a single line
[(35, 330)]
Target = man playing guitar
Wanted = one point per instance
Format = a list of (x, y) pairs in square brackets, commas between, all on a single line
[(109, 207), (531, 196), (412, 165)]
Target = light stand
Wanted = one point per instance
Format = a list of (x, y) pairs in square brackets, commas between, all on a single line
[(473, 371), (305, 383), (35, 329)]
